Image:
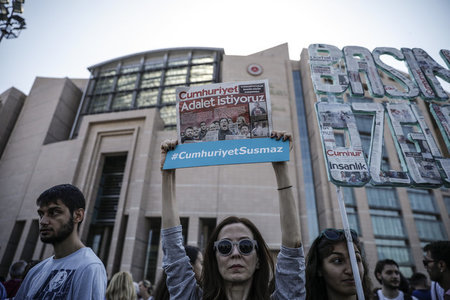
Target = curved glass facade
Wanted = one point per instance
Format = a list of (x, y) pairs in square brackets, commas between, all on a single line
[(148, 80)]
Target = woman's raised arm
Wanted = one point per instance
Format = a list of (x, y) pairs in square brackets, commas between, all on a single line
[(289, 218), (170, 216)]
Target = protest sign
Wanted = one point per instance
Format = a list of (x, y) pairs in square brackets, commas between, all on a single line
[(225, 123)]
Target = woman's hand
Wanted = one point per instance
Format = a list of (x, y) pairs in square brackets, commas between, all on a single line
[(166, 146), (282, 135)]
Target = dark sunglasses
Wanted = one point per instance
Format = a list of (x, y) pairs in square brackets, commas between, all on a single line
[(333, 234), (426, 262), (245, 246)]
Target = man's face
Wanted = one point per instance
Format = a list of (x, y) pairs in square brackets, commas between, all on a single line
[(196, 131), (55, 222), (223, 124), (390, 276), (189, 132), (432, 267), (203, 126), (244, 130)]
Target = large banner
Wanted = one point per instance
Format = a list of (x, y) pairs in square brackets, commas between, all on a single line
[(224, 111), (225, 123), (340, 79)]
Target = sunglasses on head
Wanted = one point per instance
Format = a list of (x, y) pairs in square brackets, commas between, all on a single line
[(333, 234), (245, 246)]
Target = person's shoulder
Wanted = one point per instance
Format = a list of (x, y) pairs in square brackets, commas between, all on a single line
[(87, 256)]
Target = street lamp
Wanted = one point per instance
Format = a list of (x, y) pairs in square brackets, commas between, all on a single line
[(10, 22)]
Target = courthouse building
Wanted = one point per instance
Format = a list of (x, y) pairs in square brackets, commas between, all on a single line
[(103, 135)]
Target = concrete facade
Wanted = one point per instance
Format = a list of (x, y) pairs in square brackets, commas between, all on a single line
[(39, 154)]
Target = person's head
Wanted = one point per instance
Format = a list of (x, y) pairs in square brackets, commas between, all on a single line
[(216, 125), (203, 126), (223, 123), (236, 253), (419, 281), (240, 121), (121, 287), (17, 269), (328, 267), (189, 132), (244, 129), (145, 289), (437, 260), (60, 208), (196, 131), (196, 260), (29, 266), (387, 273)]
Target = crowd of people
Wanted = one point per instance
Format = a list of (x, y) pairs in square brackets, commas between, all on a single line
[(235, 264), (225, 128)]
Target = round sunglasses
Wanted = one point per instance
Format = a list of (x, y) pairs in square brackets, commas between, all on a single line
[(245, 246), (333, 234)]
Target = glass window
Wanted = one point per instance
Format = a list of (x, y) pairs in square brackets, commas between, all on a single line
[(178, 61), (151, 79), (382, 197), (169, 115), (429, 227), (130, 69), (147, 98), (421, 201), (104, 85), (175, 76), (122, 100), (154, 63), (387, 226), (99, 103), (126, 82), (447, 203), (168, 96), (201, 73), (108, 72), (202, 58)]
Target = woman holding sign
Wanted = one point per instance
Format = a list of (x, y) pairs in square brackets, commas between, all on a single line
[(328, 270), (237, 262)]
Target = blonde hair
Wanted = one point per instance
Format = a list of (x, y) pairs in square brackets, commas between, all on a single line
[(121, 287)]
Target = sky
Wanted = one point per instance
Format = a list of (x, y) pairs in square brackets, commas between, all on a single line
[(64, 38)]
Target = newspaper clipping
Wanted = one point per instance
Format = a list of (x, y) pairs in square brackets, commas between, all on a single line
[(223, 111)]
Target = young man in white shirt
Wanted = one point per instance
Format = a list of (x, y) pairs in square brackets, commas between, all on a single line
[(74, 272)]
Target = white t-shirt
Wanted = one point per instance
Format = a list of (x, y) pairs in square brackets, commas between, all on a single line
[(80, 275), (399, 297)]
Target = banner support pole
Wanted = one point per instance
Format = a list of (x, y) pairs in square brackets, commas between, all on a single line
[(350, 246)]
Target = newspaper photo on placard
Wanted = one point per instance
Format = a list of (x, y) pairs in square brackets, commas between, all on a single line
[(223, 111)]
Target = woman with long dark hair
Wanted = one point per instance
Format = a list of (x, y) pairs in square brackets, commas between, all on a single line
[(329, 273), (237, 262)]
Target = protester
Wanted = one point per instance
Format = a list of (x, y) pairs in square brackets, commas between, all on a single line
[(437, 264), (329, 272), (145, 290), (196, 261), (3, 294), (388, 275), (237, 262), (16, 272), (120, 287), (29, 266), (74, 272), (420, 287)]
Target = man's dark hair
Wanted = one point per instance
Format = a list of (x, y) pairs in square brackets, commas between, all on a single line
[(380, 266), (418, 279), (17, 269), (70, 195), (439, 251)]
